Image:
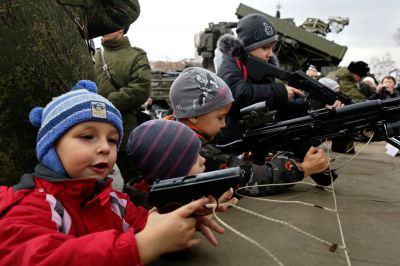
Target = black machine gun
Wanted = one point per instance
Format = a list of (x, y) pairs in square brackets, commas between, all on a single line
[(258, 69), (380, 116), (170, 194)]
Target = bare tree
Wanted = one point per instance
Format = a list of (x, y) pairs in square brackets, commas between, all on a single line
[(381, 67), (396, 36)]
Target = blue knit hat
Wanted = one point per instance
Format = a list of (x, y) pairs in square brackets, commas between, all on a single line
[(162, 149), (79, 105)]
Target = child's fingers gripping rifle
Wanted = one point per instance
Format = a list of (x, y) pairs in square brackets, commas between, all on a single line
[(258, 69), (169, 194), (381, 117)]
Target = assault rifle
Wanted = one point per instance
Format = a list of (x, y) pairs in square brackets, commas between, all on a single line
[(258, 69), (170, 194), (380, 116)]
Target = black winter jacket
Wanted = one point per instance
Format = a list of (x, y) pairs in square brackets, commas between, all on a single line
[(246, 91)]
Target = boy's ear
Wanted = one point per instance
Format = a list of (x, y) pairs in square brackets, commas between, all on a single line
[(193, 120)]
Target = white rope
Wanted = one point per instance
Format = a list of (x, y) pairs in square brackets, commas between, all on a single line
[(272, 256), (332, 246)]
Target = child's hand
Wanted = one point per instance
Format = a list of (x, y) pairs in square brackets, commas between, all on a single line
[(336, 105), (204, 224), (292, 91), (379, 88), (227, 197), (174, 231), (315, 161)]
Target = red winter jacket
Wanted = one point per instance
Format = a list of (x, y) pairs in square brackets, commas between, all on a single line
[(50, 220)]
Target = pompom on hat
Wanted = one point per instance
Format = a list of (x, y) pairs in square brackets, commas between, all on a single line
[(198, 91), (255, 31), (79, 105), (163, 149)]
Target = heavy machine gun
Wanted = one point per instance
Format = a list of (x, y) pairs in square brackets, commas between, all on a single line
[(380, 116)]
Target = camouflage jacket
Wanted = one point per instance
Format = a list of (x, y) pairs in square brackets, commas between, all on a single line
[(347, 83), (43, 55), (131, 73)]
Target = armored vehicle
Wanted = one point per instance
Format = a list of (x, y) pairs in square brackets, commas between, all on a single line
[(297, 47)]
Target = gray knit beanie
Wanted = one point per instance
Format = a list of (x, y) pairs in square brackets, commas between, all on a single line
[(255, 31), (330, 83), (198, 91), (163, 149)]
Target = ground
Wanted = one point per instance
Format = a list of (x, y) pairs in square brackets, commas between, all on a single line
[(368, 202)]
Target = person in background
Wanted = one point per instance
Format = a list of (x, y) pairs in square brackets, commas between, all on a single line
[(123, 76), (386, 89), (330, 83), (44, 50), (349, 77), (312, 72), (367, 86), (67, 213)]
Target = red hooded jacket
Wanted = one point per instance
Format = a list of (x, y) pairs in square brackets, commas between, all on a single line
[(51, 220)]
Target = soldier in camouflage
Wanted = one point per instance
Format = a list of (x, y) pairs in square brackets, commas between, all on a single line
[(44, 52), (348, 78), (123, 76)]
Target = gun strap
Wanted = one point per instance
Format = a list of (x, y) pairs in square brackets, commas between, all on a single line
[(81, 27), (105, 68), (242, 67)]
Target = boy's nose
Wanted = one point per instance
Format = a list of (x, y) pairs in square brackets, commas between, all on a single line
[(202, 160), (223, 124), (103, 146)]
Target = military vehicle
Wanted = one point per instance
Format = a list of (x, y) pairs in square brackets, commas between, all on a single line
[(297, 47), (160, 84)]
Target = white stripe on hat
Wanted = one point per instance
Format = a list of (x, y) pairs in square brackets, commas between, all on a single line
[(70, 103)]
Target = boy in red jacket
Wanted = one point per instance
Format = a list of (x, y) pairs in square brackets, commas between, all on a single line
[(66, 212)]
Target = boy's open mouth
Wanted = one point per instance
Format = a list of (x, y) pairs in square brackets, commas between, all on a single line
[(101, 166)]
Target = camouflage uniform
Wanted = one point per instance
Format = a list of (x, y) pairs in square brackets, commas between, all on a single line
[(43, 55), (131, 73), (347, 83), (349, 87)]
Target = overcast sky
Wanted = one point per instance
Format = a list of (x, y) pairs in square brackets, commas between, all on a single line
[(165, 29)]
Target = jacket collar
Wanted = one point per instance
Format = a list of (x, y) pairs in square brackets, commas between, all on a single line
[(117, 44), (65, 188)]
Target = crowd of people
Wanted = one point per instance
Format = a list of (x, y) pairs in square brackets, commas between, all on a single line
[(70, 208)]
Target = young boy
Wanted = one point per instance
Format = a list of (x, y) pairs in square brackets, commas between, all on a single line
[(66, 213), (201, 100), (162, 149), (256, 37)]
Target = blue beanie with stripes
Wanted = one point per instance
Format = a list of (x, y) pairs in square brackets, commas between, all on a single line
[(79, 105), (163, 149)]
